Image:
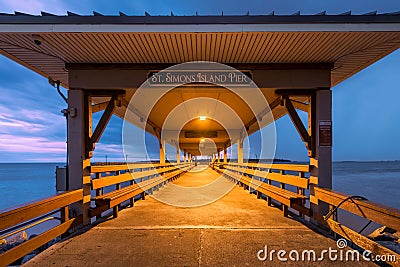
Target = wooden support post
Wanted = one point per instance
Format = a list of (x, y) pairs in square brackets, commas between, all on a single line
[(131, 200), (162, 152), (99, 192), (240, 150), (225, 155), (178, 156), (300, 191), (115, 211), (320, 115), (79, 132), (304, 135), (64, 217), (285, 210), (117, 185), (269, 198)]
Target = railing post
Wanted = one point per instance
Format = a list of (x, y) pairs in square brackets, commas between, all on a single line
[(162, 152), (79, 152), (64, 217), (240, 150), (320, 130), (178, 156), (99, 191), (225, 155)]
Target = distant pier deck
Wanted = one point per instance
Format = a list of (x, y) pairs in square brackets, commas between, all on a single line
[(227, 232)]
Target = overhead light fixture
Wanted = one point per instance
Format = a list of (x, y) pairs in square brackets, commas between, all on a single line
[(202, 118)]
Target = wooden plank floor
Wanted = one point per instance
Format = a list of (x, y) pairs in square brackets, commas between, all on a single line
[(227, 232)]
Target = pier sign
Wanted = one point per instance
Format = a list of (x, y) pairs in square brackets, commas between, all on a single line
[(202, 77), (325, 133)]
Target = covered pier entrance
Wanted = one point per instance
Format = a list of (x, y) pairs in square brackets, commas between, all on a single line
[(202, 85)]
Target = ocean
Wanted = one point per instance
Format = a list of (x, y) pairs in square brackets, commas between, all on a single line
[(25, 182), (377, 181)]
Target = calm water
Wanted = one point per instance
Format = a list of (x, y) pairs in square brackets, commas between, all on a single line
[(377, 181), (25, 182)]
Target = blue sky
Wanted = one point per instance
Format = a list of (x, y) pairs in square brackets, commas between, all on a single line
[(366, 113)]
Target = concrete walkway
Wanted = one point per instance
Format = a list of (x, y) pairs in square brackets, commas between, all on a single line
[(228, 232)]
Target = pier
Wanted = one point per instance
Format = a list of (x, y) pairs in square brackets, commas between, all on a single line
[(201, 85), (227, 232)]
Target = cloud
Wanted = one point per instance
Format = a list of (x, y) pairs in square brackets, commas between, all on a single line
[(9, 124), (28, 121), (25, 144)]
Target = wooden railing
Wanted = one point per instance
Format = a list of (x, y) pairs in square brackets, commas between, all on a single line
[(277, 173), (384, 215), (142, 172), (10, 220), (130, 174), (276, 176)]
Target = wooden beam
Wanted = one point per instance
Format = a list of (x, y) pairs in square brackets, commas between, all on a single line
[(106, 76), (295, 92), (297, 121), (122, 167), (105, 118), (300, 105), (21, 250), (277, 102), (373, 211), (111, 180), (28, 212), (161, 66), (362, 241), (278, 166), (277, 177), (99, 107), (106, 93)]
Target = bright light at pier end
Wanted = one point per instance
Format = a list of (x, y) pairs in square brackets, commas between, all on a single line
[(202, 118)]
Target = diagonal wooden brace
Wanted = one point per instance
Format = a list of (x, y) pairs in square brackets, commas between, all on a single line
[(294, 117), (105, 118)]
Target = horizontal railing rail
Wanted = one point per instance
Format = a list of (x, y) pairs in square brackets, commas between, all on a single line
[(275, 166), (381, 214), (123, 167), (12, 218), (145, 170), (138, 182), (100, 182), (260, 177), (274, 172)]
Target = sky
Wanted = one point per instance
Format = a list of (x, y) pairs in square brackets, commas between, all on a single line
[(366, 113)]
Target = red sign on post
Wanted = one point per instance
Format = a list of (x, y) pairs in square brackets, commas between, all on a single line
[(325, 133)]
